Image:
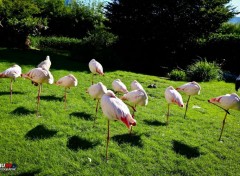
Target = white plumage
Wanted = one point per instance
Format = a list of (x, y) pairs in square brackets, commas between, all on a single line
[(12, 73), (172, 96), (135, 85), (136, 97), (96, 68), (46, 64), (237, 83), (39, 76), (226, 102), (115, 109), (119, 86), (67, 82), (97, 91), (190, 89)]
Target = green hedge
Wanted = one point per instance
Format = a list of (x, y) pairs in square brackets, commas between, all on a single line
[(60, 43)]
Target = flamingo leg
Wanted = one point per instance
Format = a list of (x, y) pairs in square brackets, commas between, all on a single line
[(38, 98), (134, 109), (11, 90), (65, 98), (167, 115), (186, 106), (92, 78), (223, 123), (96, 112), (133, 117), (108, 138)]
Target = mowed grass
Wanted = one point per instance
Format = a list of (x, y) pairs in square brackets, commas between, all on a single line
[(64, 142)]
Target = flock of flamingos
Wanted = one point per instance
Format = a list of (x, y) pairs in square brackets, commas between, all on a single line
[(115, 108)]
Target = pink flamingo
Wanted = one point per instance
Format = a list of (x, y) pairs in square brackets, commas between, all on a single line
[(226, 102), (173, 97), (39, 76), (115, 109), (12, 73), (190, 88), (135, 85), (97, 91), (67, 82), (119, 86), (96, 68)]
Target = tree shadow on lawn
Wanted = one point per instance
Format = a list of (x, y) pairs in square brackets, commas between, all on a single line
[(40, 132), (154, 123), (30, 173), (132, 139), (22, 111), (185, 150), (75, 143), (81, 115)]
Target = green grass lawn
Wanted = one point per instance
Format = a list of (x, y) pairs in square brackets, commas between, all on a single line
[(64, 142)]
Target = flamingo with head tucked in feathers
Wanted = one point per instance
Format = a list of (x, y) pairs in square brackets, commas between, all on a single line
[(173, 97), (135, 85), (12, 73), (190, 89), (226, 102), (119, 86), (39, 76), (97, 91), (115, 109), (96, 68), (67, 82), (136, 98)]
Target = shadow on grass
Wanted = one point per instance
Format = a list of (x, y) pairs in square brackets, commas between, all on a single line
[(75, 143), (81, 115), (40, 132), (51, 98), (22, 111), (30, 173), (8, 93), (132, 139), (154, 123), (34, 57), (185, 150)]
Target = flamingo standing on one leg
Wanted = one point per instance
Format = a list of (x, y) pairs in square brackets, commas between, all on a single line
[(115, 109), (226, 102), (136, 97), (97, 91), (173, 97), (190, 88), (96, 68), (39, 76), (12, 73), (67, 82), (119, 86)]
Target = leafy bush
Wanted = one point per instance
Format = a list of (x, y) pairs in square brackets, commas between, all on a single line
[(177, 75), (204, 71), (62, 43)]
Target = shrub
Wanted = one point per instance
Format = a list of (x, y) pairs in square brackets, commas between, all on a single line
[(177, 75), (204, 71), (60, 43)]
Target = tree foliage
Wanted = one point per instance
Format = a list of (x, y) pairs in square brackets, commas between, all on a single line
[(165, 27)]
